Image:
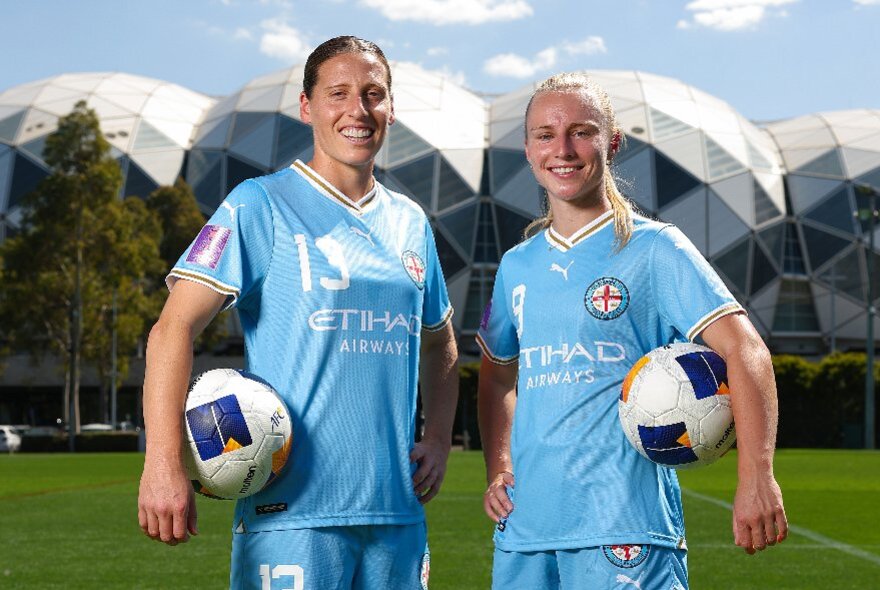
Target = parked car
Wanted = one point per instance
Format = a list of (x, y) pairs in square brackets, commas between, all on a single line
[(96, 427), (10, 441), (44, 431)]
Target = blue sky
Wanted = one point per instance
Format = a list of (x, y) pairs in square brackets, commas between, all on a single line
[(770, 59)]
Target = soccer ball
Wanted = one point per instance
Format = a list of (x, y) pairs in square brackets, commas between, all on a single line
[(238, 432), (675, 406)]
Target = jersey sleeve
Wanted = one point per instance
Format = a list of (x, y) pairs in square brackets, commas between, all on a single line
[(436, 309), (497, 336), (689, 293), (232, 252)]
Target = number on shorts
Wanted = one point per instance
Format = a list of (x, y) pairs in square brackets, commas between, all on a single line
[(280, 571)]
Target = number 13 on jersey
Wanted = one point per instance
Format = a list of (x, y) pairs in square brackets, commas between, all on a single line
[(332, 251)]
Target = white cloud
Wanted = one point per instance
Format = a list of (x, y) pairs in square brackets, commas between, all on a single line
[(512, 65), (435, 51), (242, 34), (446, 12), (282, 41), (867, 2), (589, 46), (732, 15)]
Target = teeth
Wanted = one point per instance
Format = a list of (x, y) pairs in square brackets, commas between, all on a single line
[(357, 132), (565, 170)]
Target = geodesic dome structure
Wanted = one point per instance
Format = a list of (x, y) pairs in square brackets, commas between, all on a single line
[(149, 124), (825, 244), (689, 158), (433, 152)]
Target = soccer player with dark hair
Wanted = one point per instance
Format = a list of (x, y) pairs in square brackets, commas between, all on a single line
[(343, 305)]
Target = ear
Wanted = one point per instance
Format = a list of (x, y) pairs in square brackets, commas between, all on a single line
[(391, 117), (305, 114), (614, 146)]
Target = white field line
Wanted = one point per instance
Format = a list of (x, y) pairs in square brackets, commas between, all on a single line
[(798, 530)]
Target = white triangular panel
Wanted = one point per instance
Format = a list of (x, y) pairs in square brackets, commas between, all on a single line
[(179, 132), (173, 111), (798, 124), (289, 104), (120, 132), (51, 93), (856, 328), (116, 85), (738, 192), (686, 151), (634, 119), (863, 118), (774, 186), (61, 107), (512, 105), (683, 110), (806, 138), (507, 134), (261, 99), (468, 164), (867, 143), (794, 159), (35, 124), (83, 82), (132, 102), (734, 144), (718, 120), (858, 162), (21, 96), (446, 132), (806, 191), (659, 92), (846, 135), (163, 167), (106, 109), (844, 309), (631, 91)]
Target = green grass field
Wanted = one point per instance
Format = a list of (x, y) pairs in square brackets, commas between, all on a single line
[(70, 522)]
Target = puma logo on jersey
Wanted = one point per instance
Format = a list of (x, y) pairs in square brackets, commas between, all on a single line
[(363, 234), (231, 209), (560, 270), (624, 579)]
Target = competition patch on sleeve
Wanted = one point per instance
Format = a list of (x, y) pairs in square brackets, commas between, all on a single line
[(209, 246), (487, 315)]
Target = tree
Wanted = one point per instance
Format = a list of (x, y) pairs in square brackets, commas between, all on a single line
[(181, 220), (77, 245)]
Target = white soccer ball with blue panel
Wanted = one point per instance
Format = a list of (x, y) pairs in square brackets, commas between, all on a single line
[(239, 434), (675, 406)]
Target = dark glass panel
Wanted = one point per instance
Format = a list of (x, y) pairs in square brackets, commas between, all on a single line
[(793, 257), (672, 180), (137, 182), (835, 211), (734, 265), (510, 227), (293, 137), (460, 224), (827, 164), (765, 210), (821, 246), (504, 165), (794, 308), (238, 171), (763, 270), (25, 177), (418, 178), (487, 245), (451, 188), (450, 261)]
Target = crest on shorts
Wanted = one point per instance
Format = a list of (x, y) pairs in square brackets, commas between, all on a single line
[(626, 555), (606, 298), (415, 267)]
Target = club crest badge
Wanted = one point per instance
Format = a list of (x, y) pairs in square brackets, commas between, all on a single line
[(627, 556), (606, 298), (415, 267)]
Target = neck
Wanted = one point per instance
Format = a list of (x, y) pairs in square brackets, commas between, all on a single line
[(569, 217), (352, 181)]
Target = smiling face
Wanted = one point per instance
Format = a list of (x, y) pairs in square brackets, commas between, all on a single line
[(568, 142), (349, 111)]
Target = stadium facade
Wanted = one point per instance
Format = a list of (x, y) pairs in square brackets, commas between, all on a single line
[(773, 207)]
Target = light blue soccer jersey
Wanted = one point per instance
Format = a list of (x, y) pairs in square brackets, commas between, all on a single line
[(332, 296), (576, 314)]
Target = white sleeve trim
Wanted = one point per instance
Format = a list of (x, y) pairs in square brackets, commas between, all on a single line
[(491, 356), (715, 314), (441, 324), (203, 279)]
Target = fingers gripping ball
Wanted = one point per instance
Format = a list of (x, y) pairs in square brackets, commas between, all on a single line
[(675, 407), (238, 431)]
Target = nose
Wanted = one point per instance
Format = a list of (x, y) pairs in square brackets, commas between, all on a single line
[(357, 106), (564, 147)]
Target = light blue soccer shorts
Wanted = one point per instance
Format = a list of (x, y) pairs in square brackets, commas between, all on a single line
[(610, 567), (390, 557)]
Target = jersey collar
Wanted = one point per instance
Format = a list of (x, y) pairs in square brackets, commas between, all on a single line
[(564, 244), (323, 186)]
